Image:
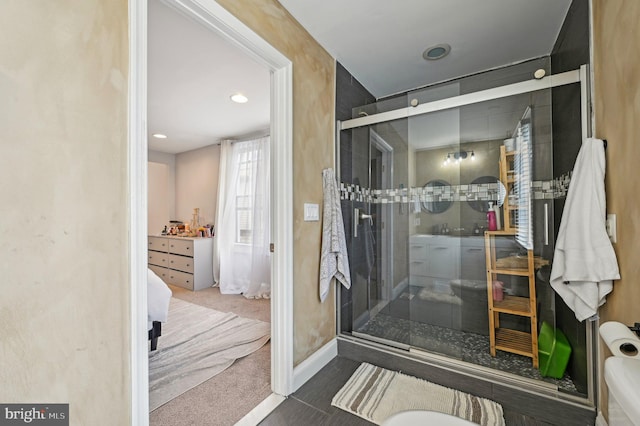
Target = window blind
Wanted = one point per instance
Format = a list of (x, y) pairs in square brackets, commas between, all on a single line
[(522, 186)]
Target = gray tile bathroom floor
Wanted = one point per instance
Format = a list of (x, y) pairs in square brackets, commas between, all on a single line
[(311, 404)]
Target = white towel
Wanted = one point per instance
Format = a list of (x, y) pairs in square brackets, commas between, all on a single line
[(584, 263), (334, 261)]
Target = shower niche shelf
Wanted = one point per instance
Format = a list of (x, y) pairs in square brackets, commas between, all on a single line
[(501, 338)]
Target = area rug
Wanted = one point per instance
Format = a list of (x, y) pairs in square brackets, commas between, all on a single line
[(196, 344), (375, 394)]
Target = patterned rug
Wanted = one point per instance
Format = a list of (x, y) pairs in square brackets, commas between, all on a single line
[(196, 344), (375, 394)]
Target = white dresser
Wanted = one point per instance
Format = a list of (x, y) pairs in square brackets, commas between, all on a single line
[(180, 261)]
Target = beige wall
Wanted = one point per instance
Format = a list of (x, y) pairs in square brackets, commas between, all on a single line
[(197, 183), (313, 146), (65, 301), (170, 161), (617, 114), (157, 197)]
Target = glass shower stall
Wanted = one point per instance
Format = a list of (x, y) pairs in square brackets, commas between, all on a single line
[(451, 204)]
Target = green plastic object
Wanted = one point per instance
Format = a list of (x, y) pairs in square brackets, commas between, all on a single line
[(553, 351)]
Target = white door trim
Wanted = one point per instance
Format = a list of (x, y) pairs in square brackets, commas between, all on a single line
[(219, 20), (137, 185)]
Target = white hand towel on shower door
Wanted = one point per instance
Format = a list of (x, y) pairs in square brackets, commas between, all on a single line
[(333, 261), (584, 263)]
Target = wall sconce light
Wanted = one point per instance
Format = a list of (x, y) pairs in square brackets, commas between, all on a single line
[(458, 157)]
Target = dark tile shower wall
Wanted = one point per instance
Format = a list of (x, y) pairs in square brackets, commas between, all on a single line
[(353, 168), (570, 52)]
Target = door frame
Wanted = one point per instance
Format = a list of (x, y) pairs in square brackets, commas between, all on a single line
[(213, 16), (386, 219)]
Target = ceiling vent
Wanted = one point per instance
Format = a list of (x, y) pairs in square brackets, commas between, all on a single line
[(438, 51)]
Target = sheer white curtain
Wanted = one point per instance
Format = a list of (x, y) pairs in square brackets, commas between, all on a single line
[(242, 263)]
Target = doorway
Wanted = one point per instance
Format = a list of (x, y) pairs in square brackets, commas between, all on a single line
[(217, 19), (381, 270)]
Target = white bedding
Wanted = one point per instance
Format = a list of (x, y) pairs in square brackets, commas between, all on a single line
[(158, 297)]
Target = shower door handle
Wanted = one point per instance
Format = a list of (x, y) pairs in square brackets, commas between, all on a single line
[(359, 215), (366, 216)]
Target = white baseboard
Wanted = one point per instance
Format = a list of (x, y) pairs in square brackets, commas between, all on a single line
[(261, 411), (600, 421), (310, 366)]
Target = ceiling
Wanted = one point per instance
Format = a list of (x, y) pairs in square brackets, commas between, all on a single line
[(380, 42), (193, 72)]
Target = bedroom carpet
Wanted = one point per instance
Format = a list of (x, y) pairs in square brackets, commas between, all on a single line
[(196, 344), (375, 394)]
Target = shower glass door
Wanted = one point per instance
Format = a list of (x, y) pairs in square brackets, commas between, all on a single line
[(428, 275), (376, 186), (436, 229), (456, 154)]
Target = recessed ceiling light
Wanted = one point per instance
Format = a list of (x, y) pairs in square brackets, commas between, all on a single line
[(239, 98), (436, 52), (159, 136)]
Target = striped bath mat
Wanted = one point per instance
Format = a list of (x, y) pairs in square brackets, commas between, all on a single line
[(375, 394)]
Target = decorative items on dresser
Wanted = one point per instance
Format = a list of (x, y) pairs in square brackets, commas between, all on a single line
[(182, 261)]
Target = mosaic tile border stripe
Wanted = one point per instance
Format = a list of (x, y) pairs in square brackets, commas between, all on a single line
[(541, 190)]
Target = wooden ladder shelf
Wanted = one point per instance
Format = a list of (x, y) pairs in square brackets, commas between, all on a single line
[(504, 339)]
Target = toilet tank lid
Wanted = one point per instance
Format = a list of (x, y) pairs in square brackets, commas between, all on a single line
[(622, 376)]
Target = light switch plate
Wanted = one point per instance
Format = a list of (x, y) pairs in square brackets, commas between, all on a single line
[(311, 212)]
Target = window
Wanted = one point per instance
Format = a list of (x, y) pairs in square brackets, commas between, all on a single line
[(246, 202), (522, 186)]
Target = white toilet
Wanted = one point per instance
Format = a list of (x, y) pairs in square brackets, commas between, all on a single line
[(421, 417), (622, 376)]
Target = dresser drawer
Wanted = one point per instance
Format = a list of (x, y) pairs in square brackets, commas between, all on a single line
[(182, 263), (158, 243), (181, 279), (183, 247), (158, 258), (160, 271)]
